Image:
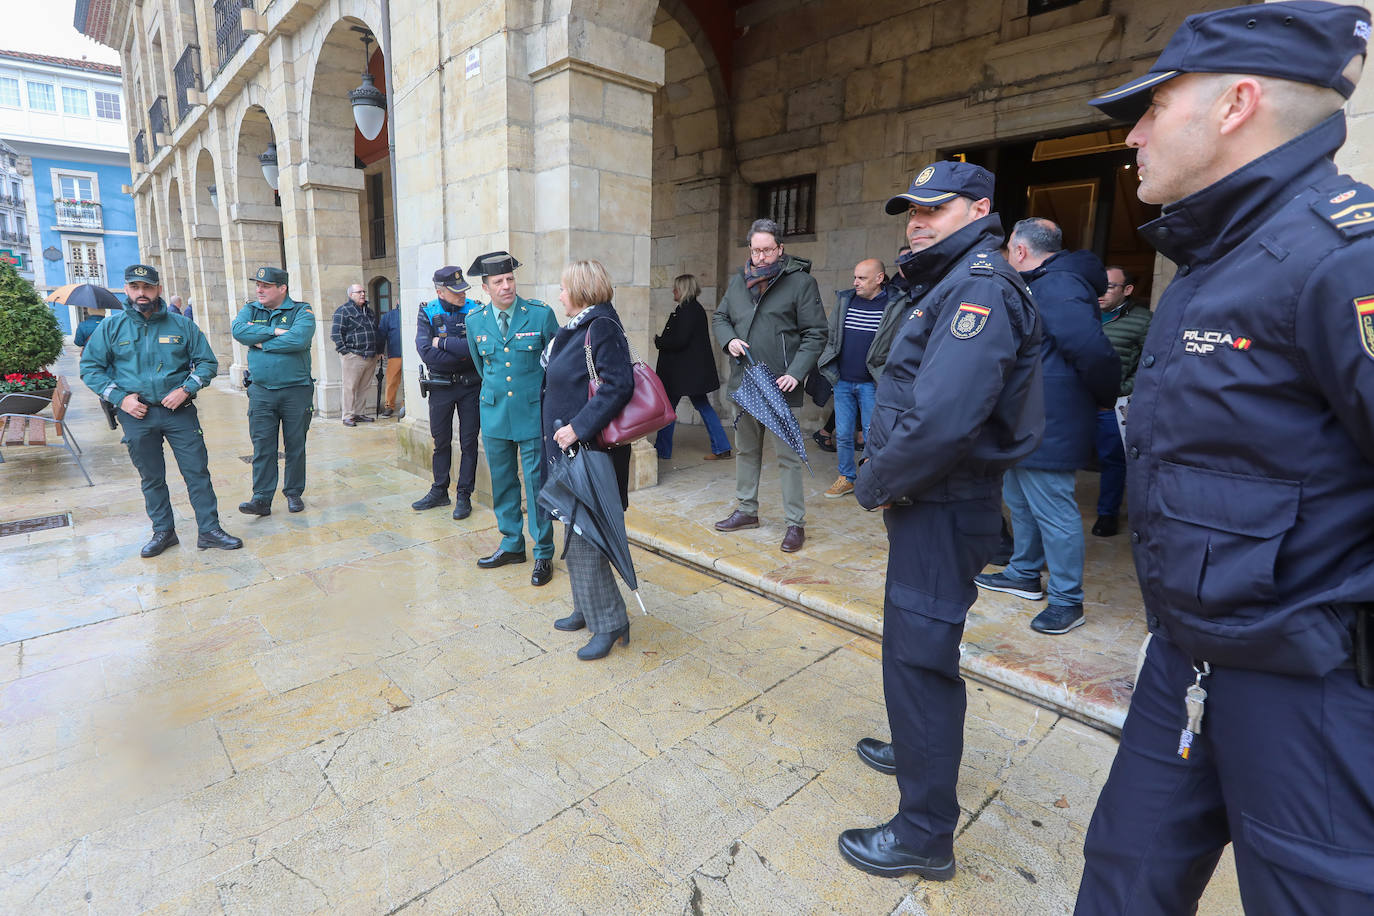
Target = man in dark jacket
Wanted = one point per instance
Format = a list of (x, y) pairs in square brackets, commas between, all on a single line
[(1125, 323), (1082, 373), (441, 339), (860, 334), (959, 402), (354, 335), (389, 329), (771, 310)]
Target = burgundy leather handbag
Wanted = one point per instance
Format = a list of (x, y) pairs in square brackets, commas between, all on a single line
[(648, 409)]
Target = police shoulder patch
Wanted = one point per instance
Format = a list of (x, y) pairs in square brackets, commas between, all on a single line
[(968, 320), (1364, 319), (1350, 212)]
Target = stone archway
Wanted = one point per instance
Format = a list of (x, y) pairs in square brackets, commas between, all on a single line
[(255, 215), (333, 188), (215, 308)]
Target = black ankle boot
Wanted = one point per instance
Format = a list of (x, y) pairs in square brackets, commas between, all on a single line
[(600, 645), (573, 621)]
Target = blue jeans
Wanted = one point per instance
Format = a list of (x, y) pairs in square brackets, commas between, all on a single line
[(852, 399), (1111, 458), (720, 443), (1048, 530)]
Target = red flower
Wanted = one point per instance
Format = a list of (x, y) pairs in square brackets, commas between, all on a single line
[(15, 377)]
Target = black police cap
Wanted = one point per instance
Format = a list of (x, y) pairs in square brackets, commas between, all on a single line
[(1306, 41), (942, 181), (451, 278), (493, 263)]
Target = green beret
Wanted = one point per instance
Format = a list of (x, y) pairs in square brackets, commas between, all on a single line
[(141, 273), (271, 275)]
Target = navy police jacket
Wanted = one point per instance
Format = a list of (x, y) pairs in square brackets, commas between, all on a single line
[(1250, 437), (961, 398), (451, 356)]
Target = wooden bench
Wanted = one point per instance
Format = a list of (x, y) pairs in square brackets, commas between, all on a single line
[(26, 429)]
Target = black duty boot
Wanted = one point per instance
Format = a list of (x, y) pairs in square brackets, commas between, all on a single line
[(877, 754), (160, 541), (431, 500), (462, 506), (877, 851), (295, 504), (543, 572), (218, 537), (255, 507)]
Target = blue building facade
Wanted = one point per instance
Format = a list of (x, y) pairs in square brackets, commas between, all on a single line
[(66, 120)]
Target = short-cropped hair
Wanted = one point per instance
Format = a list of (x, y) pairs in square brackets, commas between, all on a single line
[(686, 287), (1127, 276), (587, 283), (1039, 235)]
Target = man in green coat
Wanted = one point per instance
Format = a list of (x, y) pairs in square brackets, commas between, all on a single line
[(507, 338), (771, 309), (277, 331), (150, 363), (1125, 323)]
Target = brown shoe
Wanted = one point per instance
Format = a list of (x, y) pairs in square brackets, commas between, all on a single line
[(737, 521), (793, 540), (710, 456), (842, 486)]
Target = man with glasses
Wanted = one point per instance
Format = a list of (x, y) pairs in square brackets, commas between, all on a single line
[(1125, 323), (771, 310), (355, 338)]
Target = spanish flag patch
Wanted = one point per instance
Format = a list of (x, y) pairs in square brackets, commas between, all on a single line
[(1364, 318), (968, 320)]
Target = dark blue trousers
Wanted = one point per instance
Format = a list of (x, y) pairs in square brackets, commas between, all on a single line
[(1283, 770), (1111, 460), (935, 550), (460, 399)]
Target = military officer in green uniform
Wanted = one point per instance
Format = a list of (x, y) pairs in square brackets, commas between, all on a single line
[(507, 337), (150, 362), (277, 331)]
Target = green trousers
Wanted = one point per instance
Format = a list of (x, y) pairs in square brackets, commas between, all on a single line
[(503, 458), (287, 410), (181, 429), (749, 436)]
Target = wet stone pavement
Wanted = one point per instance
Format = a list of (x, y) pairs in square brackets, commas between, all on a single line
[(346, 716)]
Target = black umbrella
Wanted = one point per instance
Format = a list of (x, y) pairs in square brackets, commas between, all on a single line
[(758, 395), (90, 296), (581, 491)]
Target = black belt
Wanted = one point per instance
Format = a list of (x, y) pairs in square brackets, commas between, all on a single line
[(460, 377)]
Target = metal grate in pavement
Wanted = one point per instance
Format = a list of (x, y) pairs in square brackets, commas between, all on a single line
[(30, 525)]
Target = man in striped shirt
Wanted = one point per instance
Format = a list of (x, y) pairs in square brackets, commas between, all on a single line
[(861, 328)]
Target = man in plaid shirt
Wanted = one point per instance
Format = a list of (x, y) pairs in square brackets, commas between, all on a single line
[(355, 337)]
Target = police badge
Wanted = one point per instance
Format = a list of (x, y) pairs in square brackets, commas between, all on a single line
[(968, 320)]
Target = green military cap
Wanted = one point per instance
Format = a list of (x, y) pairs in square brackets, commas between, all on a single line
[(271, 275), (141, 273)]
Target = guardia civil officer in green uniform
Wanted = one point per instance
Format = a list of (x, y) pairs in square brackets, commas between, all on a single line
[(150, 362), (277, 331), (507, 337)]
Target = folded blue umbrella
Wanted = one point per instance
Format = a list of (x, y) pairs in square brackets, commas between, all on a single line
[(758, 395)]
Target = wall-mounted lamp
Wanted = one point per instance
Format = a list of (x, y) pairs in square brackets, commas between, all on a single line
[(268, 160), (369, 102), (214, 195)]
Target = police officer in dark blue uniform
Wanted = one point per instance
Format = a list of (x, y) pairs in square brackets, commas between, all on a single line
[(960, 401), (1250, 460), (441, 338)]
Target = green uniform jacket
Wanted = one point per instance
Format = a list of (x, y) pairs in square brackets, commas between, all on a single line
[(511, 374), (1126, 330), (284, 360), (130, 354), (829, 363), (787, 330)]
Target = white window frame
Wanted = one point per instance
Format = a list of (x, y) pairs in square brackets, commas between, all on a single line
[(18, 96), (68, 259), (58, 175), (118, 100), (85, 95), (28, 93)]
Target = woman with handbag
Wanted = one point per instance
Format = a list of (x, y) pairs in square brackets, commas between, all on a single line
[(687, 367), (573, 416)]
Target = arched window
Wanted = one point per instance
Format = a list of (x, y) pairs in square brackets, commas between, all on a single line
[(380, 296)]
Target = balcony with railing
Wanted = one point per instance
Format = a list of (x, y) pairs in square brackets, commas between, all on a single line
[(79, 214), (9, 200), (13, 238), (157, 120), (87, 272), (141, 148), (229, 34), (187, 77)]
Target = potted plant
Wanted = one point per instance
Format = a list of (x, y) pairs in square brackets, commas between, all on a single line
[(30, 342)]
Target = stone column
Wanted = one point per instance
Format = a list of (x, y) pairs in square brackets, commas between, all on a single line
[(214, 311), (592, 164), (256, 241)]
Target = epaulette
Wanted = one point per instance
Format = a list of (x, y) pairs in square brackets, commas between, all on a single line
[(981, 264), (1350, 212), (537, 302)]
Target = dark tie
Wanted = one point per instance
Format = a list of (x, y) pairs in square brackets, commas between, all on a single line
[(503, 320)]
